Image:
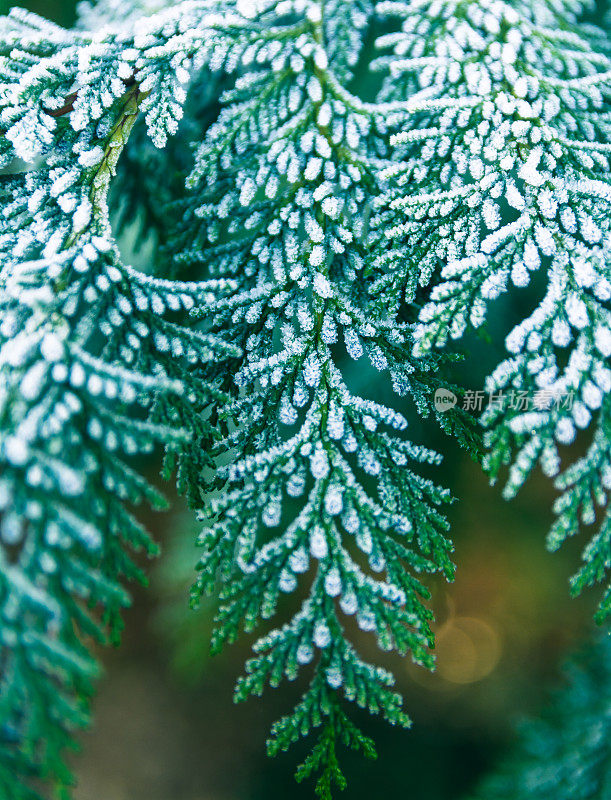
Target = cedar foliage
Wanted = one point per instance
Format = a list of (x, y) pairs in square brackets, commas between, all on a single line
[(315, 231)]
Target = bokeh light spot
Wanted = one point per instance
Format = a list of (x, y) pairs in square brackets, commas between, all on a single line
[(468, 649)]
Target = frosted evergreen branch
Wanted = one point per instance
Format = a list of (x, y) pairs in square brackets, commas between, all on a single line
[(324, 245), (318, 489), (67, 404), (514, 186)]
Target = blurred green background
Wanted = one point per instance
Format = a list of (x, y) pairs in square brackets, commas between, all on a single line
[(165, 725)]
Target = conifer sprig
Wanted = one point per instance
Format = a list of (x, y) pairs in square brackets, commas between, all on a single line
[(318, 235), (511, 183), (96, 368), (315, 473)]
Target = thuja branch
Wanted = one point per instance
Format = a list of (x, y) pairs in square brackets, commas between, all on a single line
[(485, 159), (97, 366)]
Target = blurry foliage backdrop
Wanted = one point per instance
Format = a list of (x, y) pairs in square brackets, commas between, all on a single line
[(165, 725)]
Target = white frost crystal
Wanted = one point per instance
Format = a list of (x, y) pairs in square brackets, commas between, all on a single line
[(333, 501), (333, 582), (322, 635), (319, 464), (318, 543)]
